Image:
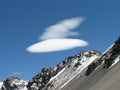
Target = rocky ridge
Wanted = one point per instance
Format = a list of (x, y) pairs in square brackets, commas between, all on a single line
[(54, 78)]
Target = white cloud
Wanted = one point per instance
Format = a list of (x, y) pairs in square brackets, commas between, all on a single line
[(62, 29), (16, 73), (54, 37), (52, 45)]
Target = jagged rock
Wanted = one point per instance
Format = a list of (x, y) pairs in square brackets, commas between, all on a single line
[(110, 56), (41, 80), (14, 83), (52, 78)]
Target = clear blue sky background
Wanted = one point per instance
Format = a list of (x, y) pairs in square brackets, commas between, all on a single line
[(23, 21)]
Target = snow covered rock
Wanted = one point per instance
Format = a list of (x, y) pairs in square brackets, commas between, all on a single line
[(79, 65), (111, 54), (50, 78), (14, 83)]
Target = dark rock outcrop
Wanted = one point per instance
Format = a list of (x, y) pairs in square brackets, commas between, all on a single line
[(14, 83), (70, 66), (110, 56)]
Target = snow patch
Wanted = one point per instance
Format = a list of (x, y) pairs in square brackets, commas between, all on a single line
[(115, 61), (1, 83), (80, 69), (57, 75)]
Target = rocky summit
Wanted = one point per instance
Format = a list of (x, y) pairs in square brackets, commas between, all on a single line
[(71, 73)]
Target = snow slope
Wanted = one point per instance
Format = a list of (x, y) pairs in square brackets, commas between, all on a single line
[(70, 70), (1, 83), (73, 69)]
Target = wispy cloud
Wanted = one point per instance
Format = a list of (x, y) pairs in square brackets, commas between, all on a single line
[(56, 45), (16, 73), (62, 29), (55, 37)]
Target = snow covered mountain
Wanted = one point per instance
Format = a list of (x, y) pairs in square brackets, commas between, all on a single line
[(14, 83), (65, 71), (106, 76), (73, 68)]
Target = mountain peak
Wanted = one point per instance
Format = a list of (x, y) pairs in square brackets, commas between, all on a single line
[(79, 66)]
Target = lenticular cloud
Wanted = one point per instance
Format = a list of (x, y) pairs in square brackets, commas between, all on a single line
[(55, 37), (52, 45), (62, 29)]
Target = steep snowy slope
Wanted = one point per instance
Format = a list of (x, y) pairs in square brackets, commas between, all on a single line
[(100, 79), (77, 65), (55, 77), (105, 77), (1, 83), (88, 70), (64, 72)]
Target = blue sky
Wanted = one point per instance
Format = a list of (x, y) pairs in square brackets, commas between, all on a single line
[(22, 22)]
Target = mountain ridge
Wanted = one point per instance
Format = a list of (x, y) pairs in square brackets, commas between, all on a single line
[(57, 77)]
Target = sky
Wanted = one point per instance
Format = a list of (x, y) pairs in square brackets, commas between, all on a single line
[(40, 33)]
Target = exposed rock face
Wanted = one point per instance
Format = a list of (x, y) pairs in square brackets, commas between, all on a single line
[(14, 83), (47, 77), (43, 79), (55, 78), (108, 57), (105, 72), (111, 54)]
